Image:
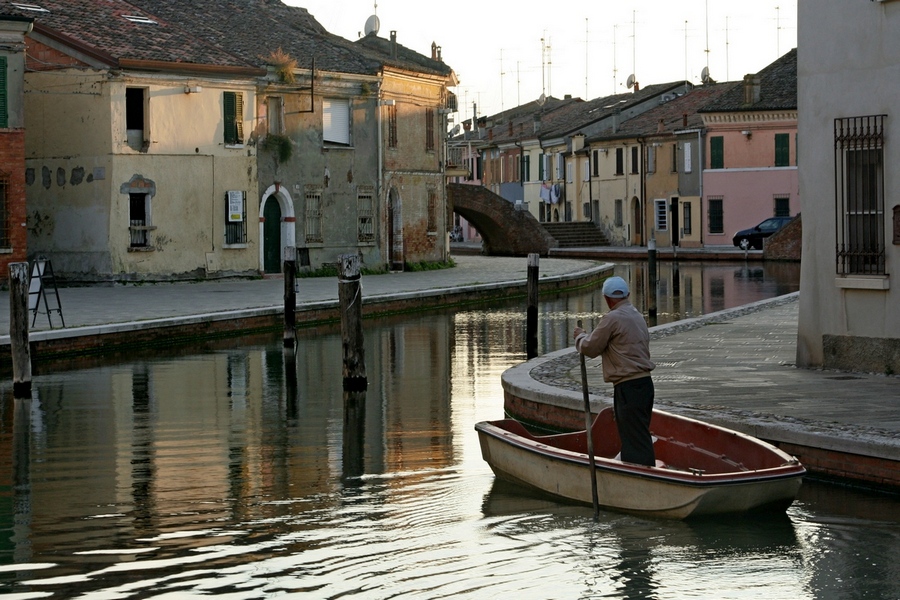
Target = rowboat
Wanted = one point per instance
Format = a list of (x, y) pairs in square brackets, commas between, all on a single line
[(701, 469)]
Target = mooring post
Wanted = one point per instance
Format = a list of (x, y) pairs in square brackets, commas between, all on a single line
[(531, 315), (290, 296), (651, 275), (350, 300), (18, 329)]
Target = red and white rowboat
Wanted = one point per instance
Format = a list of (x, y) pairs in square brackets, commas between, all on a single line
[(701, 469)]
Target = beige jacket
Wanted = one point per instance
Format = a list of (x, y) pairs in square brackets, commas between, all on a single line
[(623, 341)]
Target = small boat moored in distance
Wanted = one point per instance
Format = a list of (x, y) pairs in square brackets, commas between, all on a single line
[(701, 469)]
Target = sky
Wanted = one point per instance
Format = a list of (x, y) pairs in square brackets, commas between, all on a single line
[(509, 52)]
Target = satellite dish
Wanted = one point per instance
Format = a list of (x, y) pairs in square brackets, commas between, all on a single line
[(704, 75), (541, 100), (372, 25), (630, 81)]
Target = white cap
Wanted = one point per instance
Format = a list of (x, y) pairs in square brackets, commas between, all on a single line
[(615, 287)]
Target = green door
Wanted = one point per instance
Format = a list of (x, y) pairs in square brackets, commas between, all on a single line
[(272, 237)]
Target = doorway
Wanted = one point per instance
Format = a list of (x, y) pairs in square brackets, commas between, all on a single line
[(272, 237)]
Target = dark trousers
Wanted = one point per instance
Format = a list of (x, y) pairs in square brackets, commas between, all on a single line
[(633, 404)]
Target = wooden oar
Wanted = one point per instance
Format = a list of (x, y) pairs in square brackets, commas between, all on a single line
[(589, 433)]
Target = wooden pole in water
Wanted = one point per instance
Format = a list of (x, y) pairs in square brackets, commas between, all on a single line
[(350, 299), (588, 422), (531, 317), (18, 329), (290, 296)]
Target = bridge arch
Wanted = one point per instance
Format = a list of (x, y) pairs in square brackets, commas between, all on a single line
[(504, 230)]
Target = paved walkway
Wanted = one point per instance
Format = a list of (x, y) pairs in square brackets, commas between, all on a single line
[(734, 367), (117, 304)]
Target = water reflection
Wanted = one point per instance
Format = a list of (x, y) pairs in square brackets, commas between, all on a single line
[(247, 471)]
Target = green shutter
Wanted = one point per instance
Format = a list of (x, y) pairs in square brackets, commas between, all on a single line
[(782, 149), (4, 105), (717, 152), (233, 116), (541, 167)]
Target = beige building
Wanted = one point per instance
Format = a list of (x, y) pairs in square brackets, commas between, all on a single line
[(137, 166), (851, 219)]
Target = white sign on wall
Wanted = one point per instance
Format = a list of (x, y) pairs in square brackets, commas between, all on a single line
[(235, 206)]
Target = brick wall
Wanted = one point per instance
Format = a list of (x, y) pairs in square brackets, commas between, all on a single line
[(12, 169)]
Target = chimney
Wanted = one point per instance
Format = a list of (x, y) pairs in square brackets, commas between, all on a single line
[(751, 89), (537, 123), (660, 126), (637, 86), (684, 119), (394, 43)]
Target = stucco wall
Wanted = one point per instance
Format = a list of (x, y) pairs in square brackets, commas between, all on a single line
[(835, 81), (747, 197), (78, 213)]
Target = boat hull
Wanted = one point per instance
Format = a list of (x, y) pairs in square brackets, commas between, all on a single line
[(553, 465)]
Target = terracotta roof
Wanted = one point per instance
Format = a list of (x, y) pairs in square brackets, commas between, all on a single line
[(253, 29), (670, 115), (577, 117), (405, 58), (101, 27), (778, 89)]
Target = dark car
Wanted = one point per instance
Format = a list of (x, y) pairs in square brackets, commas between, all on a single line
[(756, 235)]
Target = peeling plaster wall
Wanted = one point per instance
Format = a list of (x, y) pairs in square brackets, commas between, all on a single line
[(78, 159)]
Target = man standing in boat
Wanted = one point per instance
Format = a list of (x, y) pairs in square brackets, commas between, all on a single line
[(622, 340)]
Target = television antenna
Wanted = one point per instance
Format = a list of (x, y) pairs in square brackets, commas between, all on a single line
[(372, 23)]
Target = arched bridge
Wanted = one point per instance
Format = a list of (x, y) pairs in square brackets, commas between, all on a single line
[(505, 230)]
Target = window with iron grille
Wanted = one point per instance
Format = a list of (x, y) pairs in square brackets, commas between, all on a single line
[(716, 214), (429, 129), (686, 218), (392, 126), (782, 206), (662, 214), (4, 211), (619, 211), (235, 217), (139, 219), (313, 225), (432, 210), (365, 213), (859, 195)]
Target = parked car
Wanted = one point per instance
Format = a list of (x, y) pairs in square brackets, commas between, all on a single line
[(756, 235)]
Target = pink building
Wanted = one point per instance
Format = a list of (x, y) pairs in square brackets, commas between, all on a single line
[(750, 158)]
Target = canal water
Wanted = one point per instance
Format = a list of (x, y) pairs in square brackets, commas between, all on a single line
[(234, 471)]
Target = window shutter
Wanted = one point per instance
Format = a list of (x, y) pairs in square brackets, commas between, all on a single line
[(717, 152), (4, 102), (782, 149), (687, 157), (233, 117), (336, 121), (541, 161)]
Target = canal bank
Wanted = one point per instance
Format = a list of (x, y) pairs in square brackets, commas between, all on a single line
[(734, 367), (119, 318)]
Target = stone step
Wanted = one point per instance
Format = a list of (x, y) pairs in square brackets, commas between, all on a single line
[(576, 234)]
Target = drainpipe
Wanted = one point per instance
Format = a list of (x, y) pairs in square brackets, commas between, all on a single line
[(702, 166), (643, 191)]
